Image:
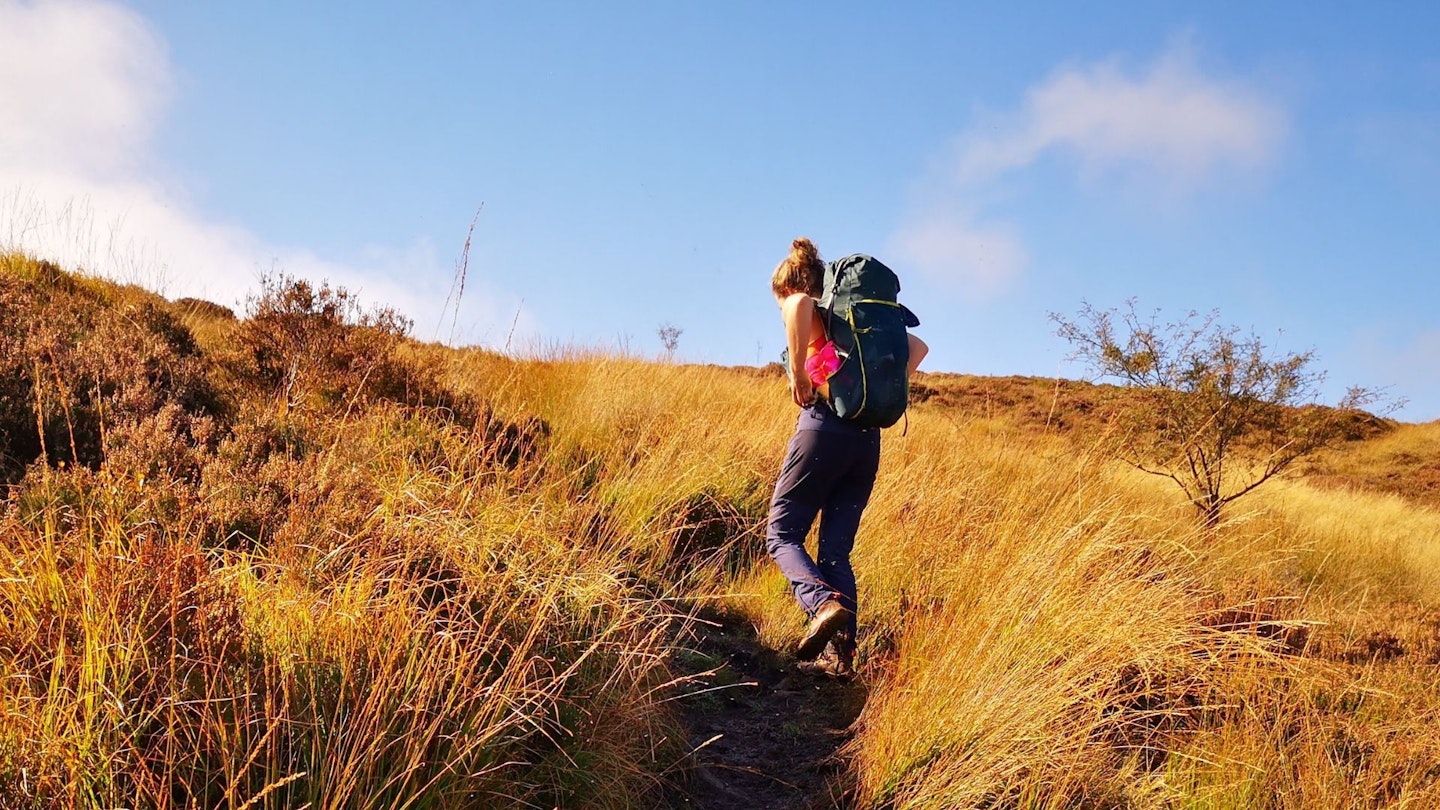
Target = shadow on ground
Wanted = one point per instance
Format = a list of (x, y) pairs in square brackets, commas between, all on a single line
[(765, 736)]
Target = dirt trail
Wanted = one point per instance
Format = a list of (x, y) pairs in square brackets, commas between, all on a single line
[(768, 737)]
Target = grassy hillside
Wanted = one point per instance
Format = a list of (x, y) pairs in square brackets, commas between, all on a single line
[(294, 558), (1406, 462)]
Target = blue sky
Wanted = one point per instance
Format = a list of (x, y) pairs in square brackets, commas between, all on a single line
[(648, 163)]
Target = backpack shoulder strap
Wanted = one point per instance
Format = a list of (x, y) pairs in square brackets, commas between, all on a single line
[(825, 315)]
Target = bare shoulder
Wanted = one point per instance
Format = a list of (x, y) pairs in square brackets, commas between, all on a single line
[(798, 302), (798, 306)]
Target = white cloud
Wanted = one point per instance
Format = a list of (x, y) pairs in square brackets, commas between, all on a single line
[(1169, 125), (982, 260), (1171, 121), (83, 85)]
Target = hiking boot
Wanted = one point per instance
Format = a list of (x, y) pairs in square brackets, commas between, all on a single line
[(837, 661), (828, 619)]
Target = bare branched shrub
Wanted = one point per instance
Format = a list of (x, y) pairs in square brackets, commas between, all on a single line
[(1215, 410), (669, 335)]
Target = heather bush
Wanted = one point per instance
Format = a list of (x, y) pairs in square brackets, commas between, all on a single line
[(82, 365), (315, 347)]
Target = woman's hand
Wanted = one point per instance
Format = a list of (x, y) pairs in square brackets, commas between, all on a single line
[(918, 350), (801, 390)]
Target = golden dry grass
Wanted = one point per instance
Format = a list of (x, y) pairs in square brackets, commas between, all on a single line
[(1405, 462), (475, 598)]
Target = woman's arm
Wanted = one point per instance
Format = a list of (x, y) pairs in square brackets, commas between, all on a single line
[(918, 350), (798, 311)]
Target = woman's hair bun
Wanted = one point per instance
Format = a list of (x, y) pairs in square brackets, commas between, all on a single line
[(801, 271)]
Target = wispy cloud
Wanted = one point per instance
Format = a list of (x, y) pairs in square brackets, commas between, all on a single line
[(981, 259), (85, 84), (1170, 120), (1168, 123), (82, 84)]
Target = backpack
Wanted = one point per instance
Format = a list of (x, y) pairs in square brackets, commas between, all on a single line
[(867, 324)]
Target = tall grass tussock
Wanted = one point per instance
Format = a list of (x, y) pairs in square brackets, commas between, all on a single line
[(294, 558)]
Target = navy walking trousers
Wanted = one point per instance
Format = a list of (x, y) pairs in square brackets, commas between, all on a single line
[(829, 470)]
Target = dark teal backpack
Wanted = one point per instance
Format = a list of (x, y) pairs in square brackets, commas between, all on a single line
[(867, 323)]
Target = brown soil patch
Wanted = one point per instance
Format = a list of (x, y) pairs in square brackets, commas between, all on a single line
[(766, 736)]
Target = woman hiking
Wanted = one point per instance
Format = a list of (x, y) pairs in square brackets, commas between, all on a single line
[(829, 470)]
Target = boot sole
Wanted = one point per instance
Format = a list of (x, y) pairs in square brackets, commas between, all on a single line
[(818, 635)]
